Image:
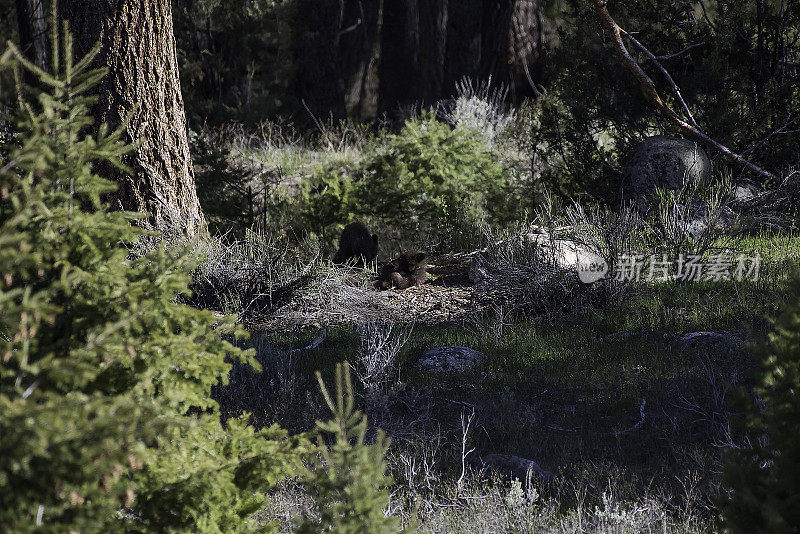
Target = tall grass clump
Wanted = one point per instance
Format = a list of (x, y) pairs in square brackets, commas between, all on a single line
[(480, 108)]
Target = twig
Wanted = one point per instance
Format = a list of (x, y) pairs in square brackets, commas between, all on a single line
[(705, 15), (781, 130), (676, 54), (322, 333), (638, 423), (671, 82), (31, 388), (465, 424), (9, 165)]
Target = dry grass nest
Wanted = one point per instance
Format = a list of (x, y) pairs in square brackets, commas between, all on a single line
[(346, 295)]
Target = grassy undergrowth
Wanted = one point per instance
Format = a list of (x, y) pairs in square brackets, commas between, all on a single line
[(633, 423)]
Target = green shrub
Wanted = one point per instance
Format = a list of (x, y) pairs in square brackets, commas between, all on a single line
[(765, 477), (326, 199), (430, 179), (105, 378), (425, 172), (223, 189)]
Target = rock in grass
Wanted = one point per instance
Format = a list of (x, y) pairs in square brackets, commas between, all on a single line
[(664, 162), (511, 467), (716, 342), (451, 359)]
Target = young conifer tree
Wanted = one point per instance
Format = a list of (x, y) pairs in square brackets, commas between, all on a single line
[(349, 489), (106, 419)]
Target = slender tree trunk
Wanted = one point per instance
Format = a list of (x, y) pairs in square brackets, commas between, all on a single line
[(494, 37), (357, 53), (32, 31), (143, 86), (319, 81), (399, 63), (463, 42), (432, 49), (529, 32)]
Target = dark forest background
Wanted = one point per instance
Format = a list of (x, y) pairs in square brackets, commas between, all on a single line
[(580, 113)]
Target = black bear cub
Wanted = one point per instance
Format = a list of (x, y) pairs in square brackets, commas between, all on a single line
[(357, 242), (409, 269)]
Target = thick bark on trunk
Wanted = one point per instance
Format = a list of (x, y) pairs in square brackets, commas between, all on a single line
[(142, 86), (529, 32), (32, 31)]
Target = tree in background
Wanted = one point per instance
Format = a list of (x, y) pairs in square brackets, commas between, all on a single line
[(428, 46), (256, 59), (236, 59), (142, 91), (32, 31), (735, 62)]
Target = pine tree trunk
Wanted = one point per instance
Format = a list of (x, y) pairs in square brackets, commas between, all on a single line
[(432, 49), (463, 42), (496, 27), (530, 30), (399, 63), (358, 52), (142, 85), (32, 31), (319, 80)]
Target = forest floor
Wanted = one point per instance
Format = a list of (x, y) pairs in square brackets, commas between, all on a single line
[(633, 419)]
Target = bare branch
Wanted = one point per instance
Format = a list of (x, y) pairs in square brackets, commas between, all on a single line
[(615, 34), (705, 15), (672, 83), (676, 54), (466, 421)]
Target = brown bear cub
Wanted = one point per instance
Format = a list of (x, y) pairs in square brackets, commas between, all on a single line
[(357, 242), (409, 269)]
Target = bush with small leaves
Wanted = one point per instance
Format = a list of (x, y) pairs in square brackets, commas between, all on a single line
[(765, 477), (427, 173), (326, 200)]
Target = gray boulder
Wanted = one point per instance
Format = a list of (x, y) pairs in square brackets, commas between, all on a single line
[(665, 162), (712, 342), (451, 359)]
